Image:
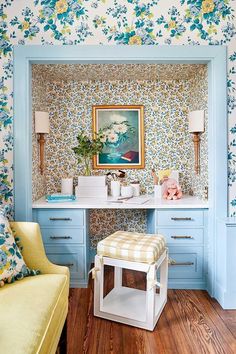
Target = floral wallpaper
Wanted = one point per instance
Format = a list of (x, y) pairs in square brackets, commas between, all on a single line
[(94, 72), (114, 22), (166, 105), (39, 104), (198, 101), (167, 140)]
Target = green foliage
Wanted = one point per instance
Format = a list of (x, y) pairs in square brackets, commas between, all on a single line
[(86, 149)]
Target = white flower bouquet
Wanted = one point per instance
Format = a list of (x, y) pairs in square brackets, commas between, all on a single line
[(114, 135)]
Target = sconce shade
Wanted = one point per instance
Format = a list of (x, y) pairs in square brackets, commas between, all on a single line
[(41, 122), (196, 121)]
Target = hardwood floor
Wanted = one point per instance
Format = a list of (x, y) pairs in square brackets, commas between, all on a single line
[(191, 322)]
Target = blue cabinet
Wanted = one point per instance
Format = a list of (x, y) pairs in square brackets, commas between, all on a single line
[(65, 237), (185, 231)]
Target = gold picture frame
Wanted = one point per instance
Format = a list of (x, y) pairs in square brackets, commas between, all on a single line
[(122, 130)]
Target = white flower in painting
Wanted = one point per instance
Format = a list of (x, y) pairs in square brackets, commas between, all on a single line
[(118, 118), (112, 138), (108, 132), (103, 138), (120, 128)]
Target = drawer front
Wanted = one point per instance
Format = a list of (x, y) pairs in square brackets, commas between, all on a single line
[(57, 235), (71, 257), (180, 236), (179, 218), (60, 217), (186, 263)]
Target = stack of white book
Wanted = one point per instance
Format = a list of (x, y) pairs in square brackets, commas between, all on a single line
[(91, 187)]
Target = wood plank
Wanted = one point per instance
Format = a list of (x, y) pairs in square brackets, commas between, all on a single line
[(182, 340), (227, 316), (208, 333), (191, 322), (225, 337), (77, 320)]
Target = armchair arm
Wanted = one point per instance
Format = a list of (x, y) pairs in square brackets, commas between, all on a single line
[(33, 248)]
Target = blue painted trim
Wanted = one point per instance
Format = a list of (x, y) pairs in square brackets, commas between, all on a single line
[(226, 263), (185, 284), (217, 155), (22, 126), (120, 54), (215, 56)]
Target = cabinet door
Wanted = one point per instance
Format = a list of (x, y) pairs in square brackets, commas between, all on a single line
[(71, 256), (186, 262), (179, 236), (179, 218), (61, 217), (56, 235)]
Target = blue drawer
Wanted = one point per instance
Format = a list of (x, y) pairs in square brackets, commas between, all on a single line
[(181, 236), (71, 256), (186, 262), (58, 235), (60, 217), (180, 218)]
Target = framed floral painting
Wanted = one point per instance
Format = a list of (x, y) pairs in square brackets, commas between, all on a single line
[(121, 129)]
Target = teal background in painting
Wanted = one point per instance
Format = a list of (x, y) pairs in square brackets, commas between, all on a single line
[(132, 142), (103, 159)]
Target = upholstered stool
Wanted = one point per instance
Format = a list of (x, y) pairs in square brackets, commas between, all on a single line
[(141, 252)]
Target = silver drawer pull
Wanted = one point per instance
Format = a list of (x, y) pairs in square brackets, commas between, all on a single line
[(182, 237), (60, 237), (174, 263), (60, 219), (182, 219), (66, 264)]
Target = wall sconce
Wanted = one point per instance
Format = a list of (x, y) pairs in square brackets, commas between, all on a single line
[(41, 128), (196, 126)]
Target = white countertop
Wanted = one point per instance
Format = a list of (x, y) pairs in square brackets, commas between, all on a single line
[(188, 202)]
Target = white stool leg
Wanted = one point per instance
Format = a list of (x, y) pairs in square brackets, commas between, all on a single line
[(164, 279), (97, 286), (150, 297), (118, 277)]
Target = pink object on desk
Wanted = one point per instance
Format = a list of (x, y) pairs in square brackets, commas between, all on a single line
[(171, 190)]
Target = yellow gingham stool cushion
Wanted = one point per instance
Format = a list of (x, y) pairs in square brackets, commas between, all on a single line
[(132, 246)]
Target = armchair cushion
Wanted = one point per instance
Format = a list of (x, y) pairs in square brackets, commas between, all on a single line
[(32, 314), (12, 264)]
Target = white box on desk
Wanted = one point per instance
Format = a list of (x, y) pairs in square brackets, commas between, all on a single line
[(91, 192), (87, 181), (175, 174)]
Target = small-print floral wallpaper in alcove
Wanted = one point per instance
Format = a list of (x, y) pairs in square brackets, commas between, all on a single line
[(166, 105), (179, 22), (167, 140)]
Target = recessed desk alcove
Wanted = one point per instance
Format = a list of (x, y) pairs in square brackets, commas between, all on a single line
[(213, 57)]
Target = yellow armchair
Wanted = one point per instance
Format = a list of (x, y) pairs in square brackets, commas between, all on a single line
[(33, 248), (34, 310)]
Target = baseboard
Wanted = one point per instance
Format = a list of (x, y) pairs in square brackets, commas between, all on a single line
[(226, 300), (183, 284), (78, 284)]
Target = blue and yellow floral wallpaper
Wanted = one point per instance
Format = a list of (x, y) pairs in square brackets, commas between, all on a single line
[(168, 93), (114, 22), (167, 100)]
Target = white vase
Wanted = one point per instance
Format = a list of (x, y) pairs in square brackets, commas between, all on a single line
[(115, 188), (157, 191), (126, 191), (136, 189), (67, 186)]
